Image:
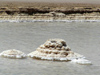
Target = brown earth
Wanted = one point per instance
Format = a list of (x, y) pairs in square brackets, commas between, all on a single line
[(48, 11)]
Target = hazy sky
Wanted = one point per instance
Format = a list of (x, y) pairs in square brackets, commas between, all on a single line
[(73, 1)]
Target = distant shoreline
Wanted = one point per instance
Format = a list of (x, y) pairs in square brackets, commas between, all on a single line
[(95, 2), (25, 11)]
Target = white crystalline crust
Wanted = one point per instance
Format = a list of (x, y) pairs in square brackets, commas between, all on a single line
[(17, 21), (52, 56), (13, 54), (81, 61), (57, 49)]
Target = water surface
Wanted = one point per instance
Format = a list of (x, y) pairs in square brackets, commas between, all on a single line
[(82, 37)]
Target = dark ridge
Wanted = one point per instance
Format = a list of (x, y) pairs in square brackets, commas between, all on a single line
[(10, 12), (31, 11), (78, 11)]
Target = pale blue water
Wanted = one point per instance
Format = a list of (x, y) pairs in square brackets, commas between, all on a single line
[(82, 37)]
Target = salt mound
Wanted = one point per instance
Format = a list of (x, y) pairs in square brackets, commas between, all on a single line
[(13, 54), (55, 49)]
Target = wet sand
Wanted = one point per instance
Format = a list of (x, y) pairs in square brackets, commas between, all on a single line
[(82, 37)]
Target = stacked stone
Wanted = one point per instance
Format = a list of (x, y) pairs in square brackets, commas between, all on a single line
[(54, 49)]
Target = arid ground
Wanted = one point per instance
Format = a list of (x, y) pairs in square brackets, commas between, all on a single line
[(49, 11)]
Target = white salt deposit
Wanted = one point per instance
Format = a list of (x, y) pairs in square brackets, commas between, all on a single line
[(49, 21), (57, 49), (13, 54), (82, 61)]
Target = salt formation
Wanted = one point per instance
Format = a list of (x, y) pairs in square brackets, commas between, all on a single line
[(57, 49), (13, 54), (81, 61)]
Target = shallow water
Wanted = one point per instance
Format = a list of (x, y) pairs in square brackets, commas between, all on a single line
[(82, 37)]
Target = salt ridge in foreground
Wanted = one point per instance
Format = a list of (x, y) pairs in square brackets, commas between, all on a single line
[(18, 21)]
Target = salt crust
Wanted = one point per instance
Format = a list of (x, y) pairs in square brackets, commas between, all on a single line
[(52, 49), (57, 49), (81, 61), (13, 53)]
